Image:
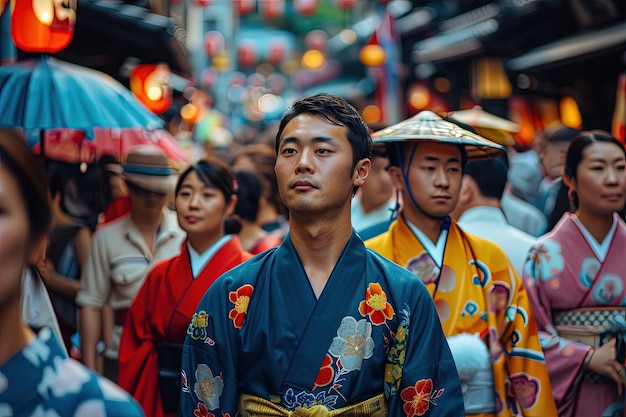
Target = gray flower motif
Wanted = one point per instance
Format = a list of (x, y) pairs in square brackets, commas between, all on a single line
[(353, 343), (208, 388)]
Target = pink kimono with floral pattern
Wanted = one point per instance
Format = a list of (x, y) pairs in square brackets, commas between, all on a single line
[(562, 274)]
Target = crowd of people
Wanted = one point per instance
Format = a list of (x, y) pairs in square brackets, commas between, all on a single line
[(422, 269)]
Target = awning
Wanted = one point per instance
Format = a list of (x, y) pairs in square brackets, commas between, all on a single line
[(111, 30), (455, 44), (598, 42), (462, 35)]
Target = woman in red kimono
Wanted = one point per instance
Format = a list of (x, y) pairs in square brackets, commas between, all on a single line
[(157, 321), (576, 280)]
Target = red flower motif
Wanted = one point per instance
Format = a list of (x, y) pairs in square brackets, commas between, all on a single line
[(326, 373), (375, 305), (241, 299), (202, 411), (418, 399)]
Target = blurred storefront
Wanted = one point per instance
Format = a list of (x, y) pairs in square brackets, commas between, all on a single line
[(511, 54)]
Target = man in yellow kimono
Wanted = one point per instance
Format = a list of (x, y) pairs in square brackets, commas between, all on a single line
[(483, 306)]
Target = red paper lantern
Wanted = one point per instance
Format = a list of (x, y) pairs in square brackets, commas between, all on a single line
[(203, 3), (305, 7), (247, 55), (276, 52), (272, 9), (213, 43), (150, 83), (245, 7), (345, 4), (43, 25), (316, 39), (209, 77)]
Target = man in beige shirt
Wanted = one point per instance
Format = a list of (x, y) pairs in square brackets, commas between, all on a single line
[(122, 252)]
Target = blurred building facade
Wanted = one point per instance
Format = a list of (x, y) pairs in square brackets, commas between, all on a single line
[(537, 60)]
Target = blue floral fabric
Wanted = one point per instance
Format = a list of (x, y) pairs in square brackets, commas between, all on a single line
[(260, 330), (41, 381)]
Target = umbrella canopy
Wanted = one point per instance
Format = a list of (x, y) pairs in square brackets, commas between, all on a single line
[(46, 93), (71, 145), (427, 126)]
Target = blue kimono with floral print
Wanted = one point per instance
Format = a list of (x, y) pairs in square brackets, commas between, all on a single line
[(41, 380), (260, 330)]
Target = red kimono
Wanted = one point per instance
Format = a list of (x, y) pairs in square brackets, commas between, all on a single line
[(265, 243), (161, 312)]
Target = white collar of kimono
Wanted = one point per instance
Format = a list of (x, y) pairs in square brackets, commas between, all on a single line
[(199, 260), (600, 249), (435, 250)]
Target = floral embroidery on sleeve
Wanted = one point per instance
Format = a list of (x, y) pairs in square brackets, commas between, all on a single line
[(375, 305), (241, 299), (208, 388), (397, 354), (197, 328), (418, 399)]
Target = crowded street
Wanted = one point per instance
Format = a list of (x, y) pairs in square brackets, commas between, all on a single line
[(220, 208)]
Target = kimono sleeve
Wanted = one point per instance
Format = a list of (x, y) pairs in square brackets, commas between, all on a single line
[(421, 378), (525, 362), (564, 368), (210, 352), (138, 358)]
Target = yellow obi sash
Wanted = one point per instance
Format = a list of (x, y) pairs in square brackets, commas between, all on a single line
[(252, 406)]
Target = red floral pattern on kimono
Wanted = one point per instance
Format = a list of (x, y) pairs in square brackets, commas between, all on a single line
[(326, 373), (241, 299), (418, 399), (375, 305)]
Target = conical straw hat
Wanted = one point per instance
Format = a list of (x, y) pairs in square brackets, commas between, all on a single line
[(427, 126)]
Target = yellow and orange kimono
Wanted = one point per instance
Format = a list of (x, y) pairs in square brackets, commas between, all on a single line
[(477, 291)]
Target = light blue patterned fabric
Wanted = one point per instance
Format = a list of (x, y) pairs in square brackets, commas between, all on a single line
[(41, 380)]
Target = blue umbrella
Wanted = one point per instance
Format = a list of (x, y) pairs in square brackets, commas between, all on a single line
[(45, 93)]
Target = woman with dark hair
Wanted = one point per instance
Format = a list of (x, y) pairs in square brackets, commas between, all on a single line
[(68, 245), (576, 281), (252, 236), (157, 321), (260, 159), (36, 376)]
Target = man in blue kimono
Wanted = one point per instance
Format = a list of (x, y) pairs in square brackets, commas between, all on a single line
[(320, 326)]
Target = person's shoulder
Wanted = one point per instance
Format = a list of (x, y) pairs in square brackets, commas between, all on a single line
[(485, 249), (74, 389), (519, 235), (112, 231), (379, 241), (390, 269), (246, 272), (162, 266), (111, 398)]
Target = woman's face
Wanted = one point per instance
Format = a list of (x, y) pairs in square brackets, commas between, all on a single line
[(601, 179), (202, 208), (14, 240)]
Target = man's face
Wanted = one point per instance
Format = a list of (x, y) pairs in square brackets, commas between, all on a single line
[(378, 188), (145, 202), (434, 178), (553, 158), (314, 166)]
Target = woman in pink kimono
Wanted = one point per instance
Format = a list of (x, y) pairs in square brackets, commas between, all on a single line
[(575, 276)]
